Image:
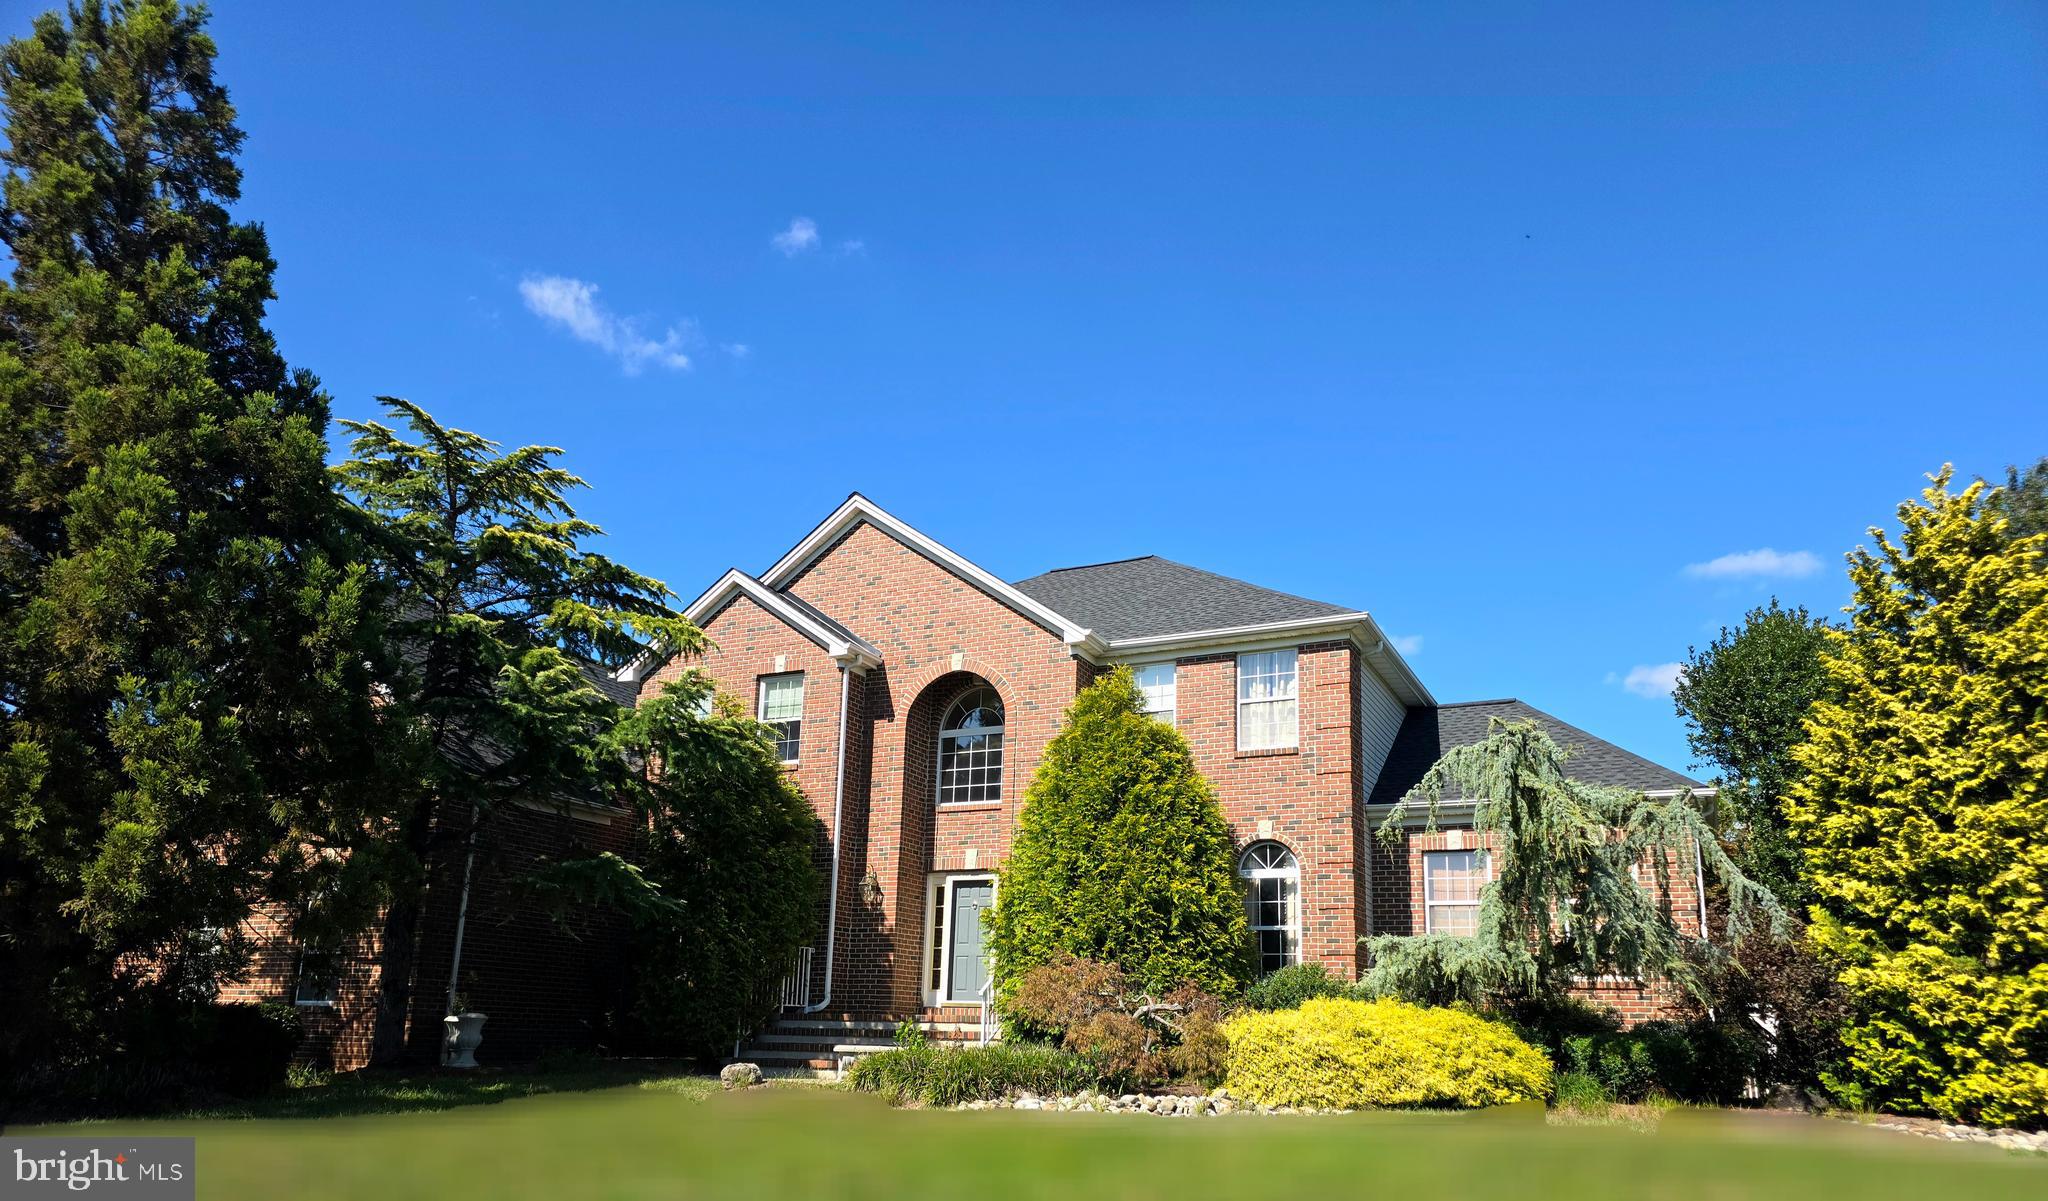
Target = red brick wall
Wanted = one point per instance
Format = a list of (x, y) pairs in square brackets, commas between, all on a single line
[(1308, 793), (543, 988), (920, 615), (334, 1036)]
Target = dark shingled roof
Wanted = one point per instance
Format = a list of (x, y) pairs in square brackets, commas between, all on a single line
[(1139, 598), (1427, 733), (600, 679)]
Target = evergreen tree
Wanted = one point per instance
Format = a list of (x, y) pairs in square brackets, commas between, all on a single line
[(184, 683), (1744, 700), (1122, 856), (1923, 809), (2023, 500), (496, 606), (727, 838), (1566, 901)]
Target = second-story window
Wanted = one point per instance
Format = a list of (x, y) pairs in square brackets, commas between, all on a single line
[(971, 749), (1156, 682), (1266, 707), (782, 707)]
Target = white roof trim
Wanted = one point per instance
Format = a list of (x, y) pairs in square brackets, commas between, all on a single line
[(858, 653), (858, 508), (1359, 628)]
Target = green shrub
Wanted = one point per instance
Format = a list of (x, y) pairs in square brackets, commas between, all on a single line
[(1295, 983), (1577, 1090), (1349, 1054), (929, 1075), (1122, 857), (1653, 1059)]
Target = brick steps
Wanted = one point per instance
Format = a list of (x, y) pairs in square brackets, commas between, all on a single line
[(819, 1046)]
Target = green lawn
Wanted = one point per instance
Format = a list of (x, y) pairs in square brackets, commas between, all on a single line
[(669, 1138)]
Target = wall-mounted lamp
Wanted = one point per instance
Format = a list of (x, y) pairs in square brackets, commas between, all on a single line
[(871, 889)]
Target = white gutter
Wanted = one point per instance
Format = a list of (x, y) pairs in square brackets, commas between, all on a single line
[(838, 818), (1358, 628)]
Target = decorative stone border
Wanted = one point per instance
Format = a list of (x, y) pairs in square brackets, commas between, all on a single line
[(1216, 1104), (2017, 1140)]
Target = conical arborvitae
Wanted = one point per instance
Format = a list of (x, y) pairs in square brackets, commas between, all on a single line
[(1122, 856)]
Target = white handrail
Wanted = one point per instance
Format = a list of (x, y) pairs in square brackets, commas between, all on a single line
[(988, 1011)]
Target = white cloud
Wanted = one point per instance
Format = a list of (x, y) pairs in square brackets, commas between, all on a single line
[(738, 350), (801, 236), (1756, 563), (1407, 644), (852, 246), (573, 305), (1653, 680)]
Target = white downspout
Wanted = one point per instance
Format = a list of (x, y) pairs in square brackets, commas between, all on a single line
[(838, 816), (461, 919)]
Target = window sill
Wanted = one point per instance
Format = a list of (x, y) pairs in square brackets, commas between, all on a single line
[(1268, 752), (312, 1004), (960, 806)]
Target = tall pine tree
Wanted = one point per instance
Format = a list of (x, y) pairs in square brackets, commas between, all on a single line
[(496, 608), (184, 679)]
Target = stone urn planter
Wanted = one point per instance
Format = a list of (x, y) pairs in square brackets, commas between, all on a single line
[(464, 1032)]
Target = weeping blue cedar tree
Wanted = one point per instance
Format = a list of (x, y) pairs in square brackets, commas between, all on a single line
[(1565, 902)]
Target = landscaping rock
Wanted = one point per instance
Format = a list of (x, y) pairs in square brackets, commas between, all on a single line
[(740, 1075)]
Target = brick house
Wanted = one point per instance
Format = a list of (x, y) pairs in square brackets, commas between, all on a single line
[(915, 693)]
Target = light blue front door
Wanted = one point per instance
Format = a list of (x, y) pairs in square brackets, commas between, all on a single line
[(968, 967)]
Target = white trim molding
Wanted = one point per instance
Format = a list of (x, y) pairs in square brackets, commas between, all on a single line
[(1358, 628), (854, 653), (857, 509)]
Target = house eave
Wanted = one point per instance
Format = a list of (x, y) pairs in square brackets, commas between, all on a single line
[(857, 509), (1357, 628), (854, 656)]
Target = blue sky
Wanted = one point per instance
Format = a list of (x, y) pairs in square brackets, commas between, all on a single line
[(1494, 320)]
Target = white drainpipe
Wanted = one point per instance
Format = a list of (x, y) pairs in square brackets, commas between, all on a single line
[(838, 815), (462, 913)]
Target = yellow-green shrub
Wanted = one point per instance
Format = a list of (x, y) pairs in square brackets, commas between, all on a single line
[(1344, 1054)]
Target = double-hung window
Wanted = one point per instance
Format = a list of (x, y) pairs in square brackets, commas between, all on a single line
[(1156, 682), (1267, 710), (1451, 882), (782, 709)]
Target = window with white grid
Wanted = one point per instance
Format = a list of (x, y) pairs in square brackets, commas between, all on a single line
[(1266, 706), (1451, 882), (1156, 682), (971, 749), (1272, 902), (782, 709)]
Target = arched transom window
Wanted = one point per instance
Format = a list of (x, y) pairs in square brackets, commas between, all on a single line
[(1272, 900), (971, 749)]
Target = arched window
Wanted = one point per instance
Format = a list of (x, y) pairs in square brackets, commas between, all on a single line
[(971, 749), (1272, 900)]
